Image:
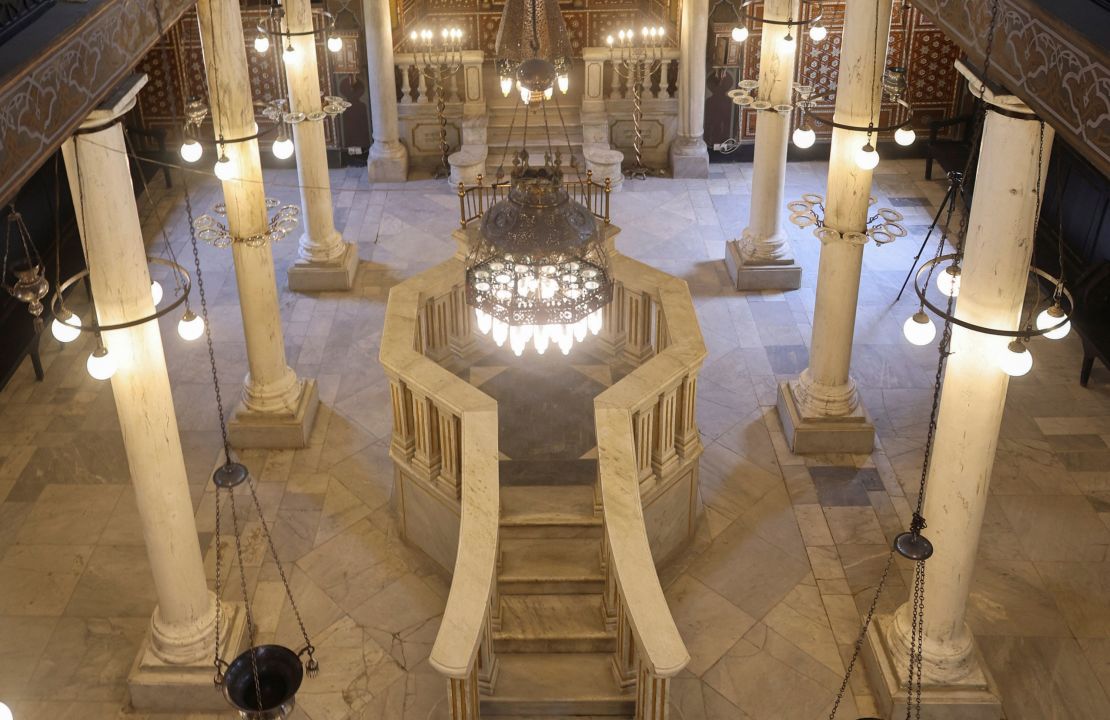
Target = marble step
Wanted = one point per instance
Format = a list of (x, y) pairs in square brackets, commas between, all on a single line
[(545, 511), (550, 566), (557, 685), (553, 624)]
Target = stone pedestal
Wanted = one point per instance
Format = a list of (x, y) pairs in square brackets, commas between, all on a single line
[(324, 261), (689, 158), (181, 638), (271, 387), (784, 275), (388, 159), (994, 276), (274, 428), (822, 403), (605, 164), (813, 433)]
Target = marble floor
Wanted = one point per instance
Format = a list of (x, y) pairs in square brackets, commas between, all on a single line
[(768, 596)]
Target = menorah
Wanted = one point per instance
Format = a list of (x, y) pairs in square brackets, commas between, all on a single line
[(636, 60), (439, 57)]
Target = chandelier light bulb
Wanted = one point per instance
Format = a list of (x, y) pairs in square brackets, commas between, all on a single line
[(282, 147), (1016, 360), (100, 364), (564, 84), (191, 151), (788, 42), (485, 321), (739, 34), (191, 326), (156, 291), (548, 93), (289, 54), (1051, 316), (261, 42), (525, 94), (948, 282), (64, 332), (804, 137), (904, 136), (609, 40), (5, 712), (506, 86), (867, 157), (223, 168), (335, 43), (919, 328), (818, 32)]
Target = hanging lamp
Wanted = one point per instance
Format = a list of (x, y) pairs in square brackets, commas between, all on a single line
[(532, 31)]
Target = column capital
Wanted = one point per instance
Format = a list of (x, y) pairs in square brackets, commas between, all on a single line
[(1002, 101), (117, 103)]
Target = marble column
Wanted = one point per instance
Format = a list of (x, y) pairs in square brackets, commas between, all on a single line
[(324, 261), (389, 160), (995, 272), (821, 410), (760, 259), (277, 408), (689, 155), (173, 670)]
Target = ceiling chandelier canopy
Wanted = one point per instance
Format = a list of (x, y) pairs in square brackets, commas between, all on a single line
[(533, 49), (538, 271)]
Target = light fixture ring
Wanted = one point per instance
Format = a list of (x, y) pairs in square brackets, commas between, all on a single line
[(1021, 334), (745, 16), (63, 315)]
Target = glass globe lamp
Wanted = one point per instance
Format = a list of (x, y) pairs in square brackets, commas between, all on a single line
[(1016, 359), (191, 150), (948, 282), (223, 168), (335, 43), (64, 331), (904, 136), (787, 43), (1051, 316), (191, 326), (818, 32), (867, 158), (5, 712), (156, 291), (101, 365), (506, 85), (282, 147), (919, 328), (261, 42), (739, 34), (804, 137)]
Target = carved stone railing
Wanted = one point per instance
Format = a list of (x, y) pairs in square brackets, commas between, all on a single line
[(648, 451), (445, 454)]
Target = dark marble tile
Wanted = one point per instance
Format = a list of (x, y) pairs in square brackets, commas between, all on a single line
[(840, 486), (787, 359), (909, 202), (548, 472)]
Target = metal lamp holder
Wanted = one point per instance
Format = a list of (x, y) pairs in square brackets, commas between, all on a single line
[(439, 57), (636, 59)]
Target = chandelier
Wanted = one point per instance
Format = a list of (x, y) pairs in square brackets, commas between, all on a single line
[(538, 272), (533, 50)]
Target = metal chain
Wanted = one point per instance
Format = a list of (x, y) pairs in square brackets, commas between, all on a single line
[(130, 149), (917, 640), (246, 598), (218, 661), (311, 666), (862, 635)]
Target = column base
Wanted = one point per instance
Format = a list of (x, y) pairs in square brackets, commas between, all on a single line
[(249, 429), (785, 276), (157, 686), (388, 162), (974, 698), (852, 433), (689, 159), (305, 276)]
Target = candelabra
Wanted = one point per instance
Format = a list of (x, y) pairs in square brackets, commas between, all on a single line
[(439, 57), (636, 60)]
